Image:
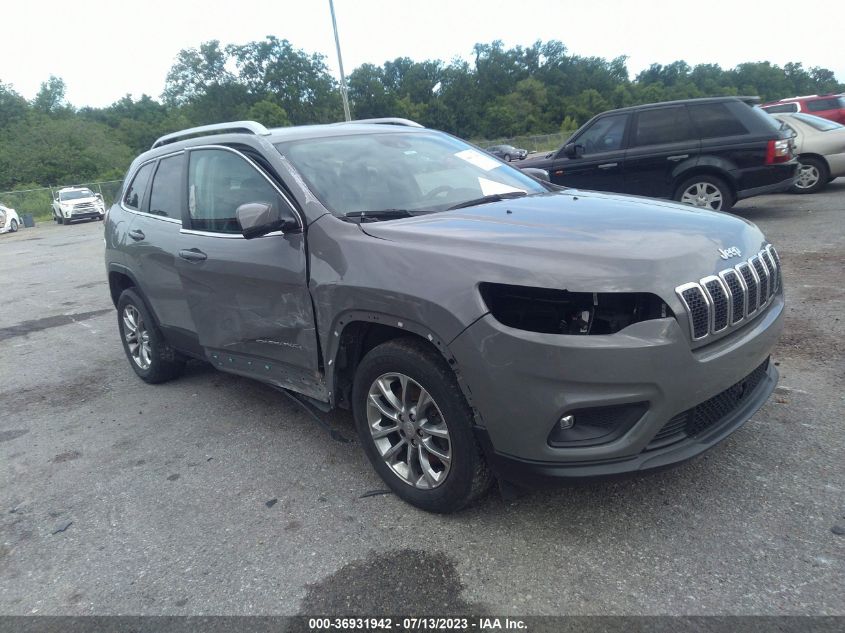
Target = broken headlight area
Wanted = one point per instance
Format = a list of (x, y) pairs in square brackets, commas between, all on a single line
[(550, 311)]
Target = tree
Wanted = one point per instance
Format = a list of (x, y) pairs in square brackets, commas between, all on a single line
[(195, 71), (13, 107), (269, 114), (51, 96)]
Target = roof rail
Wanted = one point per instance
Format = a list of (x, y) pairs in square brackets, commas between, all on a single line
[(247, 127), (390, 120)]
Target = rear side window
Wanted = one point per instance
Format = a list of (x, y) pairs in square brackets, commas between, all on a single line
[(822, 125), (663, 125), (219, 182), (135, 191), (167, 183), (715, 119), (783, 107), (819, 105)]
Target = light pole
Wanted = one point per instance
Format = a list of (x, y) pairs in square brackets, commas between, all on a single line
[(340, 64)]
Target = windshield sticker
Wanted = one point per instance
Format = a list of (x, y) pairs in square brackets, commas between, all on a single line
[(491, 187), (478, 159)]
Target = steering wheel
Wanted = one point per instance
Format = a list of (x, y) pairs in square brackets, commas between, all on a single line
[(438, 191)]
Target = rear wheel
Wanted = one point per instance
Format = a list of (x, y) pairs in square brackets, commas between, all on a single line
[(146, 349), (705, 191), (508, 157), (416, 428), (813, 175)]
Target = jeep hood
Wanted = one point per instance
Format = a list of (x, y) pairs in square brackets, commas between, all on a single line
[(577, 240)]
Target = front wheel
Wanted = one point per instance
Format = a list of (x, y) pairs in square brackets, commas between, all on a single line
[(146, 349), (13, 226), (706, 192), (813, 175), (507, 158), (416, 428)]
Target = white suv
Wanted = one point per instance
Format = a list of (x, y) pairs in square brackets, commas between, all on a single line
[(9, 220), (77, 203)]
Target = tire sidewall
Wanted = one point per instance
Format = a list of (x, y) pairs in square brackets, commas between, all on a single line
[(13, 226), (438, 380), (163, 362)]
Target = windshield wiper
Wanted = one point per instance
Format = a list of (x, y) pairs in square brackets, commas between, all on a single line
[(494, 197), (380, 214)]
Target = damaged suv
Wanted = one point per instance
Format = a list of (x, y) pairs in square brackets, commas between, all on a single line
[(479, 323)]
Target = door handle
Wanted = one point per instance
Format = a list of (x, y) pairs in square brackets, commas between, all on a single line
[(608, 165), (678, 157), (136, 234), (193, 255)]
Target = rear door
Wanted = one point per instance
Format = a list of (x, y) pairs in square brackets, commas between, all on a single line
[(152, 240), (662, 145), (600, 165), (249, 299)]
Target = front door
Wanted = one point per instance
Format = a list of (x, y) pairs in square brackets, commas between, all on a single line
[(600, 162), (249, 298)]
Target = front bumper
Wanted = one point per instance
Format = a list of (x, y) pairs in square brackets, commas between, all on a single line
[(83, 215), (521, 383)]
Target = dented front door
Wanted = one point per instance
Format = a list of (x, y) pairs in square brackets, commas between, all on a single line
[(249, 301)]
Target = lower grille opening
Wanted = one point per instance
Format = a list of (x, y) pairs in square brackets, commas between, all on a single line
[(710, 413)]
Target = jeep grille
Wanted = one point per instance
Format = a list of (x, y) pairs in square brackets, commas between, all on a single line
[(720, 301)]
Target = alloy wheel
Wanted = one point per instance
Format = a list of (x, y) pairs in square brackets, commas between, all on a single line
[(704, 195), (409, 430), (808, 177), (137, 337)]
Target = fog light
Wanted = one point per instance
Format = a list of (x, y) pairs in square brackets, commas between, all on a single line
[(566, 422), (596, 425)]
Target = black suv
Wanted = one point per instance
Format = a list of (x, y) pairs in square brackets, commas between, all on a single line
[(704, 152)]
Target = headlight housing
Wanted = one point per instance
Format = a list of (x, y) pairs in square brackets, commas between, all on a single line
[(549, 311)]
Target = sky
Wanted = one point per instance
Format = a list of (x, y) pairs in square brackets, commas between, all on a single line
[(105, 50)]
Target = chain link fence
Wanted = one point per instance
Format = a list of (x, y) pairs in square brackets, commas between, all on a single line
[(37, 202), (532, 142)]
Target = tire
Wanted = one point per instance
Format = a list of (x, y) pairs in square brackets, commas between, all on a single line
[(813, 175), (13, 226), (705, 191), (507, 158), (451, 484), (152, 358)]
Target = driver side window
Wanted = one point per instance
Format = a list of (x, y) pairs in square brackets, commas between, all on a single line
[(605, 135), (219, 182)]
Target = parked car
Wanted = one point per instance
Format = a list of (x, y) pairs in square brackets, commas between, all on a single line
[(478, 322), (9, 220), (507, 152), (828, 106), (820, 147), (77, 203), (705, 152)]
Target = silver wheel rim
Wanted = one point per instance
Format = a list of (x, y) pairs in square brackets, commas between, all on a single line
[(808, 176), (13, 225), (704, 195), (137, 337), (409, 431)]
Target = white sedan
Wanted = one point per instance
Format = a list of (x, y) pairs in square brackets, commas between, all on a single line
[(9, 220), (820, 147)]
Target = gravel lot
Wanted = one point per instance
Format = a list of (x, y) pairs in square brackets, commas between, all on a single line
[(217, 495)]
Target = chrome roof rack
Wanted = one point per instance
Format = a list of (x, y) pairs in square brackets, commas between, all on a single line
[(390, 120), (247, 127)]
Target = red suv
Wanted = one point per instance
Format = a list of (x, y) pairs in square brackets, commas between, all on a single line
[(826, 106)]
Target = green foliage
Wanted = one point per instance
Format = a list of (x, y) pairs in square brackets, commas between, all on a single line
[(534, 96)]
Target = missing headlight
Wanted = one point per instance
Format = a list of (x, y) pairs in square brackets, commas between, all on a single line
[(562, 312)]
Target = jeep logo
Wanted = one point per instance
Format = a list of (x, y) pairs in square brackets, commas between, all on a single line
[(727, 253)]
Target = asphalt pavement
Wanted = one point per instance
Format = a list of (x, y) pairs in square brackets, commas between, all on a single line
[(214, 494)]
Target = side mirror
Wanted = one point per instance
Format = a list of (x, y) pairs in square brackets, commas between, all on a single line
[(260, 218), (573, 150), (536, 172)]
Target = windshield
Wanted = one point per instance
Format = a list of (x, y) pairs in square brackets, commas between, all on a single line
[(822, 125), (417, 172), (76, 195)]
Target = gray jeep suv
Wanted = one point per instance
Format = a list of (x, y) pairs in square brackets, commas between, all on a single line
[(479, 323)]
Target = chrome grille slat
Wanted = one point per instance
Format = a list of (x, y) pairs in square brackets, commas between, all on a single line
[(715, 303)]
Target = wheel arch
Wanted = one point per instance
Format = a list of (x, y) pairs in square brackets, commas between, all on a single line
[(705, 170), (816, 156), (120, 279), (356, 332)]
